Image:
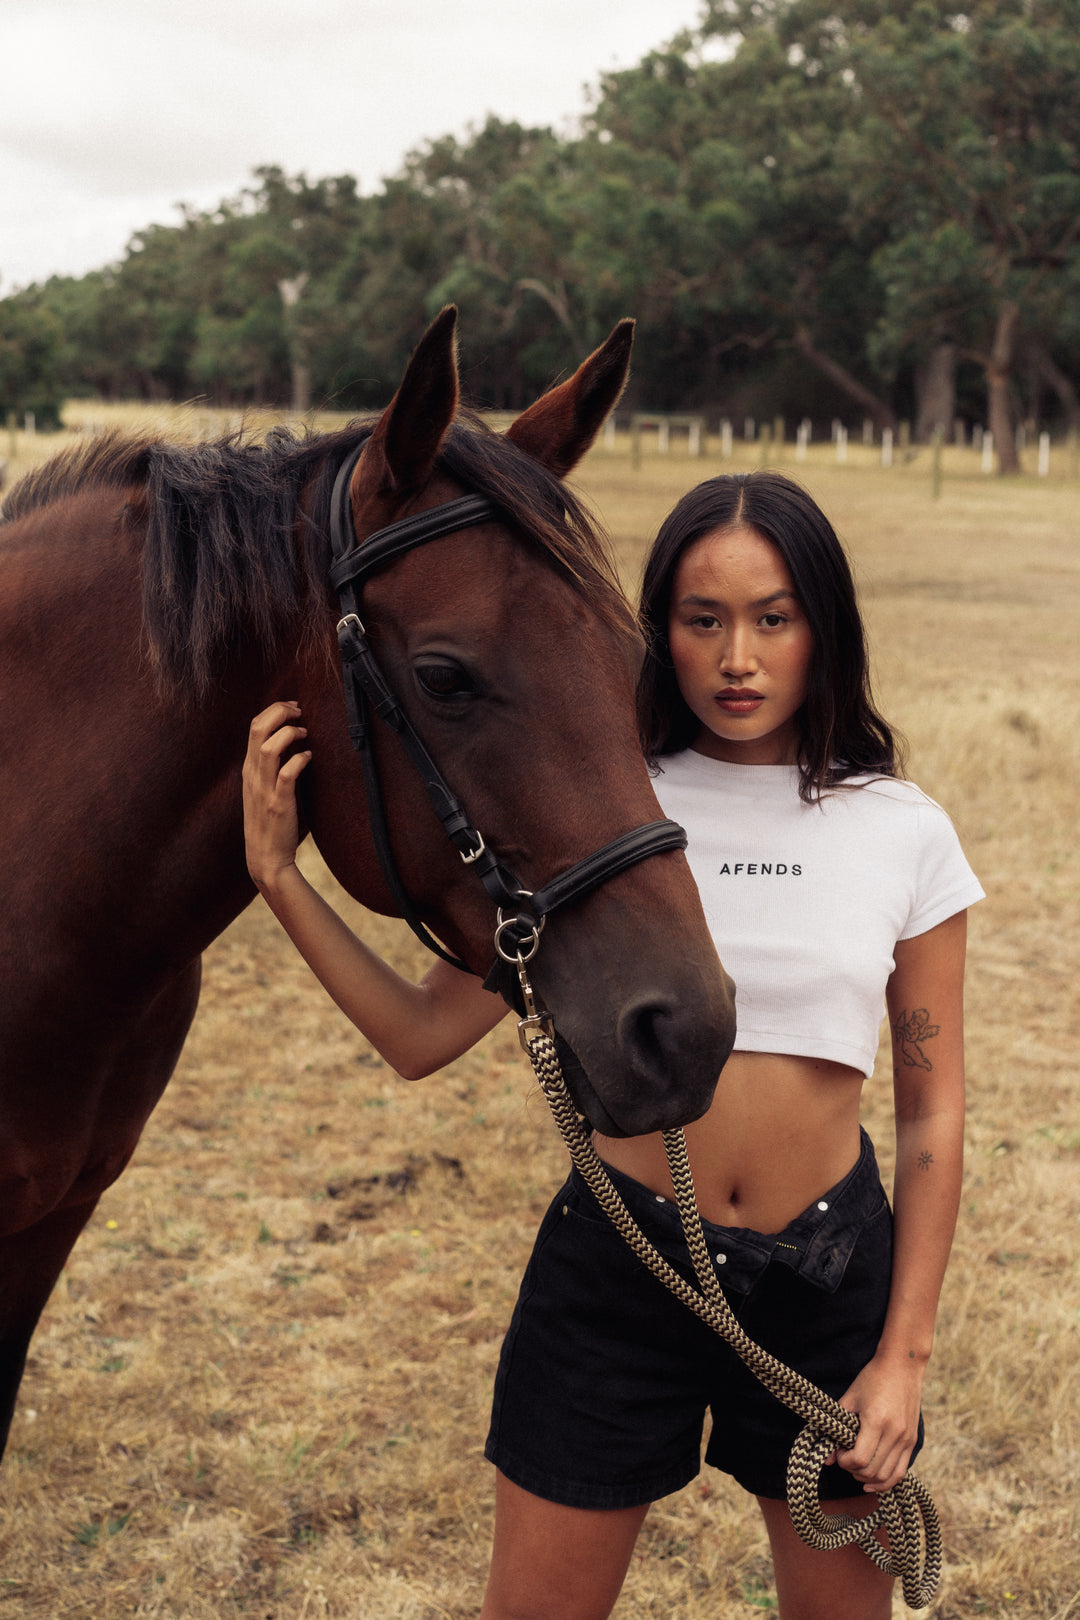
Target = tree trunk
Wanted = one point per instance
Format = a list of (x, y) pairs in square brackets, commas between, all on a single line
[(301, 386), (935, 386), (883, 415), (1055, 379), (299, 368), (999, 366), (554, 297)]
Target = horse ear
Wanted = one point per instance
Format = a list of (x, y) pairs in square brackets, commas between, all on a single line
[(560, 427), (402, 449)]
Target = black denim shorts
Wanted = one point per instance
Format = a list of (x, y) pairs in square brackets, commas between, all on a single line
[(605, 1377)]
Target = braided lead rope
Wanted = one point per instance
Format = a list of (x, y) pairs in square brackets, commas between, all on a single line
[(907, 1512)]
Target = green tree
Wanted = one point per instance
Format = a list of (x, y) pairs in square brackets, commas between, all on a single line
[(732, 228), (29, 343), (507, 202), (849, 198), (961, 146)]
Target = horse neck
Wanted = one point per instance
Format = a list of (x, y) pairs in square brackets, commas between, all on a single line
[(131, 794)]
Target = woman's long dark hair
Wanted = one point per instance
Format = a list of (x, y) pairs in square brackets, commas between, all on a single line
[(841, 733)]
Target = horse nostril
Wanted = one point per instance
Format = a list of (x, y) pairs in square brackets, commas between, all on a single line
[(658, 1062), (672, 1054), (649, 1039)]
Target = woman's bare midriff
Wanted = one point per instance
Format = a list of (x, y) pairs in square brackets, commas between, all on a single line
[(781, 1131)]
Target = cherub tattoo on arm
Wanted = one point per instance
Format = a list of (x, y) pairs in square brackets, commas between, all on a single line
[(908, 1035)]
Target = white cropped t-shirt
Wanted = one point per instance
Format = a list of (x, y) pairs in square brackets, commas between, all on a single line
[(805, 902)]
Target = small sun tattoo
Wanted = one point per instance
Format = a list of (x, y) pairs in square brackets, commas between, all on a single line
[(925, 1160)]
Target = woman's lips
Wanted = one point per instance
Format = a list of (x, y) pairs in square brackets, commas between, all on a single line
[(739, 700)]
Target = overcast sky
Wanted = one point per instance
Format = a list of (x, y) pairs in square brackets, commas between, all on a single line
[(113, 111)]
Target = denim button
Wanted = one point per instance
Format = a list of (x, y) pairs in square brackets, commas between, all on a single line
[(822, 1205), (721, 1259)]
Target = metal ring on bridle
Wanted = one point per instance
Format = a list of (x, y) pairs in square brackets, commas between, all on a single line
[(520, 954)]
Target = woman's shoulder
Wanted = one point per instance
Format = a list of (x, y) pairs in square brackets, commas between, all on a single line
[(895, 789), (892, 808), (906, 818), (893, 797)]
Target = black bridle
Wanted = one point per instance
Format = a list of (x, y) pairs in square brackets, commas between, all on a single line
[(366, 689)]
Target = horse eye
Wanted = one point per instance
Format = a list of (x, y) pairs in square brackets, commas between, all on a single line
[(443, 680)]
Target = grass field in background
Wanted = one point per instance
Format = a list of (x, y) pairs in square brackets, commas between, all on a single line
[(261, 1387)]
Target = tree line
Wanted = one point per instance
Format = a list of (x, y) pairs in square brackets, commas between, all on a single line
[(813, 207)]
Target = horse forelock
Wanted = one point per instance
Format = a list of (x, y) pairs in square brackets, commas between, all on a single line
[(547, 514), (220, 562), (542, 509)]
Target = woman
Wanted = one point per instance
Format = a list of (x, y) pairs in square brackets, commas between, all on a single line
[(832, 888)]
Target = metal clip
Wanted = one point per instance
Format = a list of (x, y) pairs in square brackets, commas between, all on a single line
[(536, 1021)]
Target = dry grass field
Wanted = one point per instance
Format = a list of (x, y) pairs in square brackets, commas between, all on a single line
[(261, 1386)]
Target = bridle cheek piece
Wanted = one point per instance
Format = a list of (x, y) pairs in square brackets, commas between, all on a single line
[(521, 912)]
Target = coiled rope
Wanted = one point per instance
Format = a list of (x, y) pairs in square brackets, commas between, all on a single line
[(906, 1513)]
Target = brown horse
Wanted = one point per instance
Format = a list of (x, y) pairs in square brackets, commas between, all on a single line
[(153, 597)]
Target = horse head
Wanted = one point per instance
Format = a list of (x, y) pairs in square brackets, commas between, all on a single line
[(508, 645)]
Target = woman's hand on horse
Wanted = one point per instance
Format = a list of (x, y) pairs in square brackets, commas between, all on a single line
[(273, 764)]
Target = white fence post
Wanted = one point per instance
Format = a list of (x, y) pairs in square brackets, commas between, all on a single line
[(886, 447), (1044, 455), (988, 452)]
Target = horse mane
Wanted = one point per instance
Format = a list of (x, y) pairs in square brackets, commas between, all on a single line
[(112, 460), (220, 562)]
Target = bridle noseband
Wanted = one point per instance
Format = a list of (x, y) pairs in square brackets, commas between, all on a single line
[(521, 912)]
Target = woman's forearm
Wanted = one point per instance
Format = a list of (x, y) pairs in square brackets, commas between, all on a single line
[(926, 1012), (925, 1000), (416, 1027), (926, 1197)]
